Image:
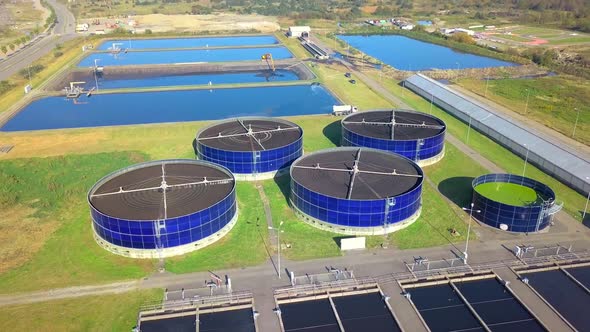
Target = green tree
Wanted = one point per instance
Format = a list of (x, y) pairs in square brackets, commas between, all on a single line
[(11, 46), (4, 49), (462, 37)]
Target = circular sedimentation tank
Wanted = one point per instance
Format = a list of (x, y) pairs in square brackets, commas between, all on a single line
[(417, 136), (358, 191), (253, 148), (513, 203), (163, 208)]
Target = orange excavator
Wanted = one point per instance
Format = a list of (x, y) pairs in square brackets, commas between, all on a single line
[(268, 58)]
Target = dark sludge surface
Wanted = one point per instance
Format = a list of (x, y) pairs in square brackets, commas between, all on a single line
[(582, 274), (569, 299), (227, 321), (365, 312), (175, 324), (309, 316), (497, 307), (443, 310)]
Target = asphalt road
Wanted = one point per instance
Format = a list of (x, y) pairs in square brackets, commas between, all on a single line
[(63, 31)]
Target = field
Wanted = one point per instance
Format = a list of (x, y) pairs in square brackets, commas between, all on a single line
[(552, 101), (19, 17), (93, 313), (520, 35), (509, 193)]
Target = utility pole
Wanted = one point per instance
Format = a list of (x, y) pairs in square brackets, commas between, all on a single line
[(576, 123), (586, 207), (278, 245), (526, 159), (471, 210), (526, 105)]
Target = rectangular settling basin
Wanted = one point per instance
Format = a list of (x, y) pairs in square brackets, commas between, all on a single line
[(162, 57), (406, 53), (309, 316), (171, 106), (365, 312), (564, 294), (195, 42), (137, 81)]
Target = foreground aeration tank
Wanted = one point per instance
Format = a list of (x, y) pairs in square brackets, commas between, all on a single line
[(357, 191), (163, 208)]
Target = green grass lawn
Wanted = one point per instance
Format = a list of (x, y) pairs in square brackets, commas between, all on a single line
[(51, 244), (552, 101), (116, 312), (515, 38), (243, 246), (571, 40), (305, 240), (509, 193), (574, 202)]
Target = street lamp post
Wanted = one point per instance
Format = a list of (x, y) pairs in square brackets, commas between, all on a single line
[(278, 245), (526, 159), (587, 199), (485, 94), (468, 230), (468, 129), (29, 71), (431, 101), (526, 105), (576, 123)]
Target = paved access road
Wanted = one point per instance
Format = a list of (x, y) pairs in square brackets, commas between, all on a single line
[(63, 31)]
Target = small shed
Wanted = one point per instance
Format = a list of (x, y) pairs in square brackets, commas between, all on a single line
[(299, 31)]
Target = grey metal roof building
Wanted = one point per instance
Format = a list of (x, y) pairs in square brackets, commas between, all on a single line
[(558, 160)]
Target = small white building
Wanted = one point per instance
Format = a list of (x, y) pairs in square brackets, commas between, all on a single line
[(467, 31), (407, 27), (299, 31)]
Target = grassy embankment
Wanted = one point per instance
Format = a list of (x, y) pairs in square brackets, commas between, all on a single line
[(552, 101), (574, 202), (116, 312)]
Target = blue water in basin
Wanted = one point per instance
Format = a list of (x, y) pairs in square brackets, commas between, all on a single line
[(188, 42), (106, 82), (183, 56), (409, 54), (171, 106)]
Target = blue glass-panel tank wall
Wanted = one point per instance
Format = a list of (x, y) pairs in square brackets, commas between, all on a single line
[(417, 136), (356, 190), (162, 208), (513, 203), (251, 147)]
